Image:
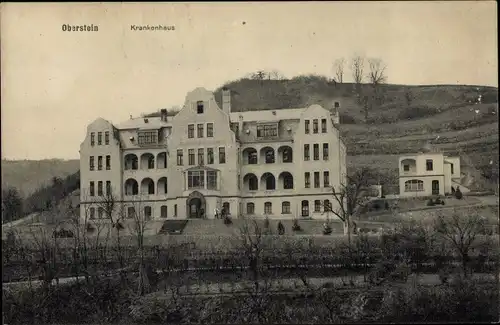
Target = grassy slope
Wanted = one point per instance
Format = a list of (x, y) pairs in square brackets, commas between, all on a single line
[(448, 115)]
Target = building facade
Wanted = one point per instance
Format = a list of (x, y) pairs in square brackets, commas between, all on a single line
[(279, 163), (427, 174)]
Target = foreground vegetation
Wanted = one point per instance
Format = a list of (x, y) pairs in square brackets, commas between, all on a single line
[(157, 286)]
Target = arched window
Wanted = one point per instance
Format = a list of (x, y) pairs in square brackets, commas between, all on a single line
[(317, 205), (414, 185), (131, 187), (269, 181), (285, 207), (92, 213), (305, 208), (250, 208), (268, 208)]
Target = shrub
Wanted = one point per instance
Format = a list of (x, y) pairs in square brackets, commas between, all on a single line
[(296, 226), (327, 230), (415, 112), (458, 194), (430, 203)]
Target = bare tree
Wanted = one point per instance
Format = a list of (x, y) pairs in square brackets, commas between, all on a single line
[(138, 226), (338, 70), (357, 70), (461, 229), (377, 74), (349, 197), (276, 75), (256, 243)]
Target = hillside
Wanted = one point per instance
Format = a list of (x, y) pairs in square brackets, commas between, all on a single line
[(406, 119), (29, 175)]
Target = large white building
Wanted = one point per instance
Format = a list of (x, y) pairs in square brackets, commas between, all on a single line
[(280, 163)]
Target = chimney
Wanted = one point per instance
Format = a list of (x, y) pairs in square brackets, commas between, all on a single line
[(226, 100), (163, 114), (334, 112)]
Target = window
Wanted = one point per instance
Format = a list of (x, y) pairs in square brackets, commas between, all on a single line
[(325, 151), (316, 179), (428, 164), (180, 157), (305, 208), (131, 212), (212, 180), (337, 104), (99, 138), (201, 156), (317, 205), (108, 188), (199, 107), (91, 163), (200, 130), (91, 189), (106, 137), (316, 151), (99, 188), (414, 185), (190, 131), (315, 126), (196, 179), (108, 162), (323, 125), (175, 210), (92, 138), (151, 162), (326, 179), (451, 166), (253, 183), (100, 212), (222, 155), (226, 207), (406, 168), (307, 179), (288, 181), (285, 208), (191, 157), (268, 208), (92, 213), (269, 154), (210, 156), (163, 211), (148, 211), (210, 130), (267, 130), (327, 206), (306, 152), (250, 208), (306, 126), (252, 157), (147, 137), (287, 155), (99, 163)]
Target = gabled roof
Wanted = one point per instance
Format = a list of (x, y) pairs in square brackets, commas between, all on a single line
[(139, 123)]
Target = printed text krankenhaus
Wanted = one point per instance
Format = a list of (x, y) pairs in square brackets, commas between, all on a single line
[(149, 27)]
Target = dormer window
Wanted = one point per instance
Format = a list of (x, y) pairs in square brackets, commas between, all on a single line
[(199, 107), (267, 130)]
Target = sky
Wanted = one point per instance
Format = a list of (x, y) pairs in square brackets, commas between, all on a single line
[(54, 83)]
